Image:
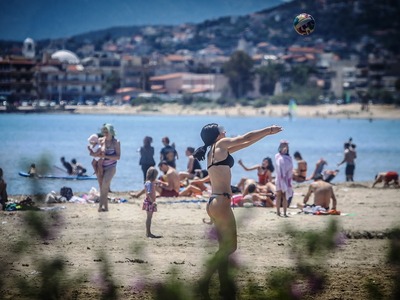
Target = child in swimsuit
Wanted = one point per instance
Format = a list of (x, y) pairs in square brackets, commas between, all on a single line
[(149, 203)]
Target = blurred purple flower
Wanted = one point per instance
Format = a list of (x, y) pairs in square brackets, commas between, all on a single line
[(100, 281), (138, 285), (340, 239), (316, 282), (295, 291), (212, 234), (234, 260)]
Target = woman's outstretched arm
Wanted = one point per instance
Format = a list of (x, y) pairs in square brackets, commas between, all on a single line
[(247, 139)]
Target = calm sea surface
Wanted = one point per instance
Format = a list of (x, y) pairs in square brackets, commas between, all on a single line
[(34, 137)]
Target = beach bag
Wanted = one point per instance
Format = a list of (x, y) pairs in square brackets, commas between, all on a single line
[(66, 192)]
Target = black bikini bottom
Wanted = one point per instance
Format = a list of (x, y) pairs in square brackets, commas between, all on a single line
[(215, 195)]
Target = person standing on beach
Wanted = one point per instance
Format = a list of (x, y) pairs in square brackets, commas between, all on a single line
[(3, 191), (168, 153), (349, 158), (111, 153), (193, 165), (220, 162), (149, 203), (146, 156), (283, 179)]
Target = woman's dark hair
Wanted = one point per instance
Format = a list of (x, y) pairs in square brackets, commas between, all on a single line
[(190, 149), (297, 155), (147, 141), (209, 134), (251, 188), (270, 166)]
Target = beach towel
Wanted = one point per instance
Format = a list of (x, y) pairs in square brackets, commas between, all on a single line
[(319, 210)]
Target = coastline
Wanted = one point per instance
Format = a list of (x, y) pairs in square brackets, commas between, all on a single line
[(348, 111), (303, 111)]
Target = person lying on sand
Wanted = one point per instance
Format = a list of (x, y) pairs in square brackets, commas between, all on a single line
[(387, 178)]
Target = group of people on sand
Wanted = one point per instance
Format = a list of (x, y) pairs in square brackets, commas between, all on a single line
[(171, 181), (217, 150)]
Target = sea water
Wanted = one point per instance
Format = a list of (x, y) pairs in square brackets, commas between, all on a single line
[(29, 138)]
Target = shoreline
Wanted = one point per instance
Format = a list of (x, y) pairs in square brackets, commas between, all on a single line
[(348, 111)]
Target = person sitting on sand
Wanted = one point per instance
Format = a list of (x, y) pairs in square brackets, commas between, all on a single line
[(299, 174), (196, 187), (257, 198), (323, 193), (193, 165), (387, 178), (264, 170), (169, 185)]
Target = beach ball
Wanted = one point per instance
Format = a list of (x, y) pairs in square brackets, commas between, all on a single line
[(304, 24)]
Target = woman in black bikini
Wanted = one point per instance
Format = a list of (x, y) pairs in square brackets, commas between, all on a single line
[(219, 162)]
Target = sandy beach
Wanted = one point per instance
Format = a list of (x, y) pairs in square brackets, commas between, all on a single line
[(302, 111), (81, 234)]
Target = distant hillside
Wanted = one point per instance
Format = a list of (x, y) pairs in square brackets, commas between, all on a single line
[(338, 21)]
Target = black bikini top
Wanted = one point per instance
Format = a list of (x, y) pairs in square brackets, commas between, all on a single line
[(228, 161)]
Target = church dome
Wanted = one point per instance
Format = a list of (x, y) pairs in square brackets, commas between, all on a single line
[(28, 48), (29, 41), (65, 56)]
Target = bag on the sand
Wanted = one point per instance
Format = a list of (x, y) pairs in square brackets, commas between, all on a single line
[(66, 192)]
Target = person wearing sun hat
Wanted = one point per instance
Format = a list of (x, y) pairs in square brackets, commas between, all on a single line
[(283, 179)]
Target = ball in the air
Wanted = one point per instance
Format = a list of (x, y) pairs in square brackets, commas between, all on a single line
[(304, 24)]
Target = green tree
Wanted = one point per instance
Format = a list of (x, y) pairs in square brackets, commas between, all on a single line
[(269, 75), (299, 74), (240, 73), (112, 83)]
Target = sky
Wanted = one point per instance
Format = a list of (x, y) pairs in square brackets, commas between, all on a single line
[(41, 19)]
